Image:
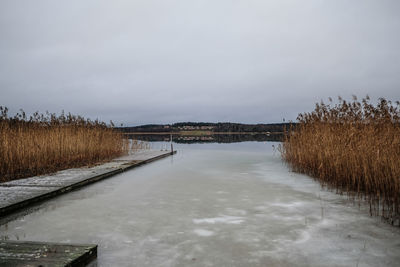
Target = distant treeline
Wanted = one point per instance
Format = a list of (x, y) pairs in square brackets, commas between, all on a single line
[(208, 126)]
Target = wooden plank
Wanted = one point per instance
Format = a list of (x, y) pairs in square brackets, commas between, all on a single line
[(27, 253)]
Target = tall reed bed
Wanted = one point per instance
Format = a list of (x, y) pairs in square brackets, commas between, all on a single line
[(353, 147), (45, 143)]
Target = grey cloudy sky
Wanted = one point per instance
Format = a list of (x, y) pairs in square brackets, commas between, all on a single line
[(163, 61)]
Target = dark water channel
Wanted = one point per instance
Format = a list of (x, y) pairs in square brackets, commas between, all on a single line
[(213, 205)]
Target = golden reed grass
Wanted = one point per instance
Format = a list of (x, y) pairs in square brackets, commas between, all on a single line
[(353, 147), (48, 143)]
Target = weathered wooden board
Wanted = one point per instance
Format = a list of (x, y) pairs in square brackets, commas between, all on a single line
[(25, 253)]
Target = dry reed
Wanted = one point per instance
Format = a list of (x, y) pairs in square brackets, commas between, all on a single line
[(46, 143), (353, 147)]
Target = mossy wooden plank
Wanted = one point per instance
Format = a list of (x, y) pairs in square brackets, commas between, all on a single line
[(26, 253)]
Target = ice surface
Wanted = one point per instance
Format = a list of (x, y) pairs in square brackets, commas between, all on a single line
[(213, 205)]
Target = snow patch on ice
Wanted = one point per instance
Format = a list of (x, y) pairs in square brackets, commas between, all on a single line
[(223, 219), (203, 232), (288, 205)]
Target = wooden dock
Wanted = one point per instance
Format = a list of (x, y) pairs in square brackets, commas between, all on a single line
[(18, 194), (18, 253)]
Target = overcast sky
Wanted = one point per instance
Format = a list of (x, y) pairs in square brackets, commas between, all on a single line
[(164, 61)]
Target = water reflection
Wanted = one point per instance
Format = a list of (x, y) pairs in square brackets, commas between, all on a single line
[(212, 138)]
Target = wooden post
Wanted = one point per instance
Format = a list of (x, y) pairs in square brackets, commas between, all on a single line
[(170, 139)]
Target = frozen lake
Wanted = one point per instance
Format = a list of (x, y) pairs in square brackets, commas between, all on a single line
[(213, 205)]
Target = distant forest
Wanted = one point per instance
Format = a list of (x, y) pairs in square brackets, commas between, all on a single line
[(207, 126)]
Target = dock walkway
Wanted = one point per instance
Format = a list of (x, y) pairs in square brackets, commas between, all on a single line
[(18, 194), (18, 253)]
